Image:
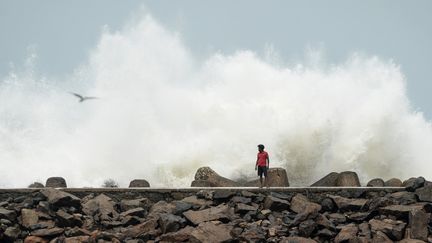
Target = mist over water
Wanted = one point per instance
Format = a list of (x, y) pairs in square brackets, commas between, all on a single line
[(163, 113)]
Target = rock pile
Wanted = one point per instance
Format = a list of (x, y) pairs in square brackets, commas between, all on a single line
[(222, 215)]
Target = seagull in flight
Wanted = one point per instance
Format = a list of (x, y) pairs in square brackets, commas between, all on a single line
[(83, 98)]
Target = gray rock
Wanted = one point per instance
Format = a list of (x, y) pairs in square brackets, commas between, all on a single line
[(223, 194), (211, 232), (403, 197), (131, 220), (220, 212), (365, 230), (202, 183), (12, 233), (424, 194), (161, 207), (170, 223), (394, 182), (327, 205), (327, 181), (55, 182), (326, 233), (178, 236), (29, 217), (348, 232), (35, 239), (102, 206), (67, 220), (402, 211), (323, 221), (358, 216), (238, 199), (36, 185), (408, 240), (48, 232), (126, 205), (76, 239), (144, 229), (381, 238), (207, 174), (336, 218), (413, 183), (348, 178), (244, 208), (59, 198), (307, 227), (5, 222), (348, 204), (301, 204), (393, 229), (296, 239), (139, 183), (7, 214), (377, 182), (196, 201), (274, 203), (418, 223), (138, 212)]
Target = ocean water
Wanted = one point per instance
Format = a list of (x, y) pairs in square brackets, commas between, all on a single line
[(162, 113)]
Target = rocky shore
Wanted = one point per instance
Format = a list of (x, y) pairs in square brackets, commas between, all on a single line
[(220, 215)]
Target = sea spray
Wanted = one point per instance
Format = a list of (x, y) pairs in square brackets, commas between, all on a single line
[(162, 113)]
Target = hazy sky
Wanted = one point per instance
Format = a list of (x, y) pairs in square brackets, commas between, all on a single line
[(63, 32)]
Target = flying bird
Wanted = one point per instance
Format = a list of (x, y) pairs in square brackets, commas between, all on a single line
[(83, 98)]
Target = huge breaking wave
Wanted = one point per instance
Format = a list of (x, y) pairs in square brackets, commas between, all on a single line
[(163, 113)]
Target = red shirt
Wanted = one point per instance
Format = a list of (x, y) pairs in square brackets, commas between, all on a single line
[(262, 158)]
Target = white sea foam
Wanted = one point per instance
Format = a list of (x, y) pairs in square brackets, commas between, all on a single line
[(163, 113)]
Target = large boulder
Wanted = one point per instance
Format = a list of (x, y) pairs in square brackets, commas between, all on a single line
[(402, 211), (28, 217), (348, 204), (146, 228), (377, 182), (220, 212), (348, 178), (170, 223), (392, 228), (139, 183), (328, 180), (207, 174), (418, 223), (59, 198), (55, 182), (347, 233), (102, 205), (211, 232), (424, 193), (7, 214), (276, 177), (413, 183), (393, 182), (301, 204), (126, 204), (274, 203), (36, 185), (178, 236), (202, 183)]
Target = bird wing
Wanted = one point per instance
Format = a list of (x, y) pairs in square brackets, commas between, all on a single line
[(90, 97), (77, 95)]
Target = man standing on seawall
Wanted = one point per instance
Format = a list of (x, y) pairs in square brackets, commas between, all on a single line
[(262, 164)]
